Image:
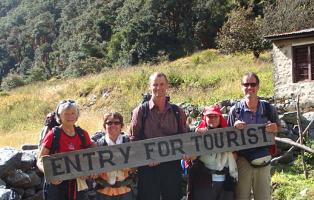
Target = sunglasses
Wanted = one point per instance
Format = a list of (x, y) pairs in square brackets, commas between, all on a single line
[(67, 101), (111, 123), (249, 84)]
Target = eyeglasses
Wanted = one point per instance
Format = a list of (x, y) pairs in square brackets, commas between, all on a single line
[(249, 84), (111, 123)]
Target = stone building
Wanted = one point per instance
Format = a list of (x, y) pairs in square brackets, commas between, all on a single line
[(293, 67)]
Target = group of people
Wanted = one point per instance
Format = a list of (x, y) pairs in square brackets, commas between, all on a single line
[(216, 176)]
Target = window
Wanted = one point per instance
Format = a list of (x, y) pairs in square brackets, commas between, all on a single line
[(303, 63)]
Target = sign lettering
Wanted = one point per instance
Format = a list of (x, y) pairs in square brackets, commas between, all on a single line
[(74, 164)]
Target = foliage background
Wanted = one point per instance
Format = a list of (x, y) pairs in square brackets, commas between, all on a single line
[(57, 40), (40, 39)]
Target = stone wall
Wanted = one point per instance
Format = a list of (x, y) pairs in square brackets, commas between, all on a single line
[(284, 88)]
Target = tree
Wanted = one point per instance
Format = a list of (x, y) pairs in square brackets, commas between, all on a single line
[(287, 16), (241, 33), (208, 18)]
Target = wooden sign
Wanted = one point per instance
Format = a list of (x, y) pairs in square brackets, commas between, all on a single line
[(74, 164)]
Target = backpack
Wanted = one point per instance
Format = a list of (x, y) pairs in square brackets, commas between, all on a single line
[(56, 137), (145, 107), (50, 122)]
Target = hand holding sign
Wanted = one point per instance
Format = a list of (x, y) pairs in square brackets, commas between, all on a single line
[(96, 160)]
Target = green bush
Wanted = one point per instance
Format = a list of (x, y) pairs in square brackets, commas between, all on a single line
[(3, 93), (12, 81), (175, 79), (90, 65)]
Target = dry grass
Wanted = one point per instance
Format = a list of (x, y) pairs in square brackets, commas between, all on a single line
[(203, 78)]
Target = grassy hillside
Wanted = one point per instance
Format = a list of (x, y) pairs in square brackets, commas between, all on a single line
[(202, 78)]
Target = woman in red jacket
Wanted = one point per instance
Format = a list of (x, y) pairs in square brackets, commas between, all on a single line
[(64, 138), (212, 176)]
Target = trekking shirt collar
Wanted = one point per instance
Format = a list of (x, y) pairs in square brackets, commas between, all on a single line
[(152, 105), (258, 117), (110, 142), (259, 110)]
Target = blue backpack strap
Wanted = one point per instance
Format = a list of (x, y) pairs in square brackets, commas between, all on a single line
[(56, 131), (267, 111), (238, 110)]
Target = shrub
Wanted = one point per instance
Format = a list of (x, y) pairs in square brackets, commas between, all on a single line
[(241, 33), (12, 81), (175, 79), (90, 65)]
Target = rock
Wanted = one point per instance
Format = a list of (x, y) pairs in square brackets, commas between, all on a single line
[(4, 193), (41, 185), (304, 192), (290, 117), (20, 191), (225, 103), (17, 178), (2, 184), (283, 124), (9, 194), (287, 159), (35, 179), (10, 159), (29, 192), (29, 147), (28, 160), (39, 195), (309, 116), (286, 133)]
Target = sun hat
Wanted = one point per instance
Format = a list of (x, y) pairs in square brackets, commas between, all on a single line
[(212, 110)]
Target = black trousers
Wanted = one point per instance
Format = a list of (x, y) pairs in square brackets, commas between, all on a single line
[(67, 190), (161, 182)]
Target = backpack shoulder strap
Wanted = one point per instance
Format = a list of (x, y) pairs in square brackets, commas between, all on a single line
[(99, 138), (267, 110), (56, 131), (125, 139), (144, 108), (43, 132), (81, 134), (102, 141), (176, 111), (238, 110)]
